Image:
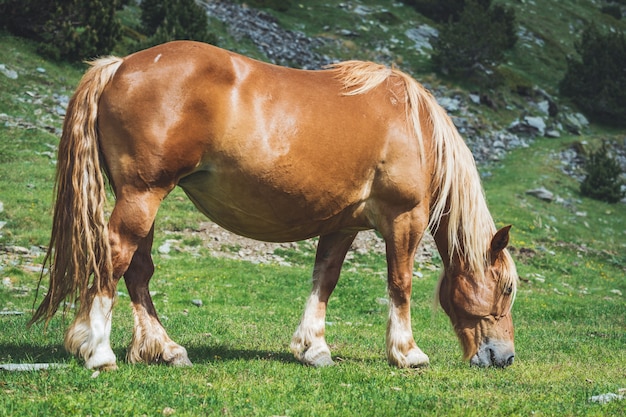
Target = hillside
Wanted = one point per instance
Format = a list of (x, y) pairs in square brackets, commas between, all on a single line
[(234, 303)]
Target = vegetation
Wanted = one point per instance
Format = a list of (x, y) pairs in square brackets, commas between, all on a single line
[(597, 82), (444, 11), (74, 30), (603, 180), (569, 313), (477, 41), (168, 20)]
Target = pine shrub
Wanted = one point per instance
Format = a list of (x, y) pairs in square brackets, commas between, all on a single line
[(68, 29), (597, 82), (278, 5), (167, 20), (442, 11), (477, 42), (603, 177)]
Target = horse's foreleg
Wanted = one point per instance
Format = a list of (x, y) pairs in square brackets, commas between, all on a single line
[(308, 344), (402, 240), (150, 343)]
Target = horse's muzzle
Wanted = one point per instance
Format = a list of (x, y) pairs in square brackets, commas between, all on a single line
[(494, 353)]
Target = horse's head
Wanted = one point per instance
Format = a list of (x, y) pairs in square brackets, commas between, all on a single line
[(479, 305)]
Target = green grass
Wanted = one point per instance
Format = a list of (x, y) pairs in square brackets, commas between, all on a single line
[(570, 321)]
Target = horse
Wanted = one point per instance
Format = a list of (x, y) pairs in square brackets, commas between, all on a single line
[(275, 154)]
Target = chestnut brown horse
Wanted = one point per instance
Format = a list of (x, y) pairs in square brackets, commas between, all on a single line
[(274, 154)]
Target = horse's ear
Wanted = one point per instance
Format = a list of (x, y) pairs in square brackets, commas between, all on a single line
[(499, 242)]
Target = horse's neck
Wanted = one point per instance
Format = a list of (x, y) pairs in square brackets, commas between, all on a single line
[(442, 241)]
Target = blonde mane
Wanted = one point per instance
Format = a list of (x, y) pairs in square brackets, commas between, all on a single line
[(456, 183)]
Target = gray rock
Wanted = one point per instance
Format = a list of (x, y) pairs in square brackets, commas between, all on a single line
[(542, 194), (8, 72), (449, 103), (421, 36), (536, 123), (553, 133), (575, 123), (544, 106)]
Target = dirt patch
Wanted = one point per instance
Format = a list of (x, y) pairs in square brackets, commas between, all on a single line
[(222, 243)]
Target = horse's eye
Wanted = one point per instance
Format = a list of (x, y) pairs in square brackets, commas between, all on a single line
[(508, 290)]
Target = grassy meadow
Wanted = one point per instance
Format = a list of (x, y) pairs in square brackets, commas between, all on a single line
[(570, 312)]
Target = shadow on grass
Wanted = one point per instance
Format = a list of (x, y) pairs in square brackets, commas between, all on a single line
[(199, 355), (31, 353), (213, 353)]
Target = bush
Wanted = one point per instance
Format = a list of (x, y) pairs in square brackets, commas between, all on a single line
[(612, 10), (477, 41), (603, 177), (442, 10), (278, 5), (597, 83), (167, 20), (68, 29)]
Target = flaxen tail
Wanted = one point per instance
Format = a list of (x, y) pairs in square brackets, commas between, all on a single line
[(79, 245)]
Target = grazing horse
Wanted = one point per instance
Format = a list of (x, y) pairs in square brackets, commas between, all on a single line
[(274, 154)]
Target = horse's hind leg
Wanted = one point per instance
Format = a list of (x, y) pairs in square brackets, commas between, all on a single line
[(150, 343), (308, 344), (130, 223)]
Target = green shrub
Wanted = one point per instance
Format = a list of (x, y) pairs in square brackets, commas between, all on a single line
[(68, 29), (597, 82), (603, 177), (167, 20), (442, 10), (278, 5), (477, 41), (612, 10)]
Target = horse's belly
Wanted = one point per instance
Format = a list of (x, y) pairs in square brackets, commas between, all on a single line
[(257, 209)]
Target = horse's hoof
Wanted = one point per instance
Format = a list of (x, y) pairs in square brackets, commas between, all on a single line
[(416, 359), (109, 367), (322, 361), (180, 362)]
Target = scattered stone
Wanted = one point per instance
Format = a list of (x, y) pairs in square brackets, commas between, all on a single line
[(281, 46), (422, 36), (575, 123), (20, 250), (11, 313), (450, 104), (606, 398), (542, 194), (531, 125), (8, 72), (168, 411), (197, 302), (552, 133), (22, 367)]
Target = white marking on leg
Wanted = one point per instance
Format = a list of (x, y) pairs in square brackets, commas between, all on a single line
[(89, 337), (308, 344), (151, 344), (401, 348)]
